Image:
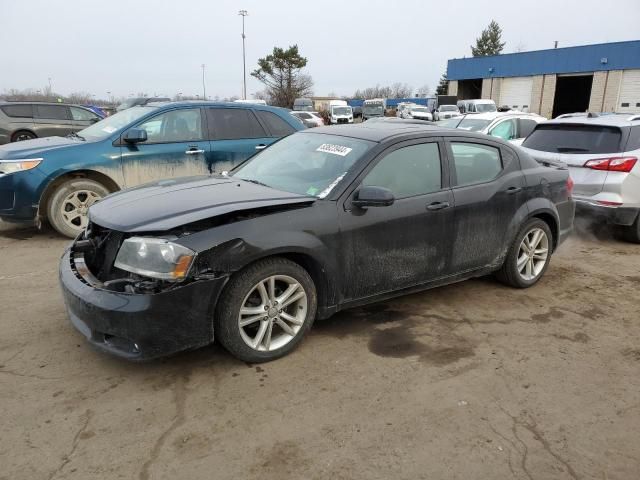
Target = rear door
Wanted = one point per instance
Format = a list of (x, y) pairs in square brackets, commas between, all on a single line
[(52, 120), (575, 144), (235, 134), (488, 189), (176, 147)]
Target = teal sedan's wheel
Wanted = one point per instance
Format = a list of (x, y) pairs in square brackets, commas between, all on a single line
[(70, 202)]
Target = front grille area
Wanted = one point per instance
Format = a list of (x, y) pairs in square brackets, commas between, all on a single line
[(343, 120), (99, 256)]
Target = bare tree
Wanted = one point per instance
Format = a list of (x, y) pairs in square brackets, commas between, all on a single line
[(423, 91), (401, 90)]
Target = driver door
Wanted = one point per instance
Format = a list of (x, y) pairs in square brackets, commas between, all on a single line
[(175, 147), (407, 243)]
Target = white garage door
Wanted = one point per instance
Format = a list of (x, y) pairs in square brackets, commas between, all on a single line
[(516, 92), (629, 100)]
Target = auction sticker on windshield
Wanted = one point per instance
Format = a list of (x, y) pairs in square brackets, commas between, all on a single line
[(334, 149)]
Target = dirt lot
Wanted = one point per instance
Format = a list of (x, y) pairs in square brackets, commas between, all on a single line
[(469, 381)]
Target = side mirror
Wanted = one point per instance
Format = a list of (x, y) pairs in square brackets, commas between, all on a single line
[(135, 135), (372, 196), (94, 120)]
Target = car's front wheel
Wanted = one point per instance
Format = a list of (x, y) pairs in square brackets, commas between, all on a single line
[(265, 310), (528, 256), (70, 202)]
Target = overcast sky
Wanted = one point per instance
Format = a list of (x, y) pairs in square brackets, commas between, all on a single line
[(157, 46)]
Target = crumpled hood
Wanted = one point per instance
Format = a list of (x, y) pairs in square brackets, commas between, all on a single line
[(36, 147), (171, 203)]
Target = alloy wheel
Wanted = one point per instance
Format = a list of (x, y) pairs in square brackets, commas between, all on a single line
[(75, 207), (272, 313), (533, 254)]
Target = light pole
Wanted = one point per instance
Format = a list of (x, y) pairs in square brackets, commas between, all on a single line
[(204, 88), (50, 89), (244, 13)]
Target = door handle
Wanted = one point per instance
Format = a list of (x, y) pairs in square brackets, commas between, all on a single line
[(262, 146), (512, 190), (194, 151), (438, 206)]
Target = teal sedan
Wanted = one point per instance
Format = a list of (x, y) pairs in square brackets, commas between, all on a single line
[(57, 179)]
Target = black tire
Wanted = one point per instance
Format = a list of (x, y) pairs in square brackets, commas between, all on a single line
[(58, 202), (22, 135), (631, 233), (509, 273), (226, 321)]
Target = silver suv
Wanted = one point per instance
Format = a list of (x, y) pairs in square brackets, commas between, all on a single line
[(602, 152)]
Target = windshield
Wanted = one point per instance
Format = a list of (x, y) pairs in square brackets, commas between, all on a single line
[(485, 107), (450, 123), (341, 110), (303, 163), (473, 124), (373, 109), (110, 125), (448, 108), (574, 139)]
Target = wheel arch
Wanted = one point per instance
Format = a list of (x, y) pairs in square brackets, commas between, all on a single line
[(28, 130), (548, 218), (94, 175)]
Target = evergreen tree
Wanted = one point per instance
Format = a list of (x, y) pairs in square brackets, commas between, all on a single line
[(489, 42), (443, 85)]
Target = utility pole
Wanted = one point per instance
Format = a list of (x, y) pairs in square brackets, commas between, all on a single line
[(244, 13), (204, 88)]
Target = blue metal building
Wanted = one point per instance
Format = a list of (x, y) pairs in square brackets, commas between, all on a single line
[(601, 77)]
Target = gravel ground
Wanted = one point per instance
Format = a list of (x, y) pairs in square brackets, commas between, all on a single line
[(474, 380)]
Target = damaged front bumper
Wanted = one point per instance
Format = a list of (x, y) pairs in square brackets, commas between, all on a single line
[(139, 326)]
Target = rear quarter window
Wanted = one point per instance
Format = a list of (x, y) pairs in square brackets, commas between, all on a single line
[(277, 126), (566, 138), (18, 111), (634, 139)]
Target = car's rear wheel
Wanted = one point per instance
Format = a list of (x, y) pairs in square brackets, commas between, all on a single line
[(632, 232), (265, 310), (70, 202), (528, 256), (22, 135)]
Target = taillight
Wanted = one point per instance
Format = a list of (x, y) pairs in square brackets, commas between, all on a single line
[(615, 164), (570, 185)]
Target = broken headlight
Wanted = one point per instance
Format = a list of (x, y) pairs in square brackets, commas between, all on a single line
[(155, 258)]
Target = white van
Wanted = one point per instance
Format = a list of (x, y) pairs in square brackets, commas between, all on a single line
[(479, 105), (254, 101), (339, 112)]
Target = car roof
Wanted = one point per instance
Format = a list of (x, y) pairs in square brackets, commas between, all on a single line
[(381, 131), (613, 120), (210, 103), (35, 102)]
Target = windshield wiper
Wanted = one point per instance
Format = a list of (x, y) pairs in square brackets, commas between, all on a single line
[(75, 135), (257, 182)]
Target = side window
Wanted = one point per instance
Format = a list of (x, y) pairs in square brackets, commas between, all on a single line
[(174, 126), (277, 126), (52, 112), (233, 124), (82, 114), (526, 127), (475, 163), (634, 139), (505, 130), (18, 111), (408, 171)]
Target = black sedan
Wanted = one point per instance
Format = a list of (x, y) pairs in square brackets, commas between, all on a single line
[(323, 220)]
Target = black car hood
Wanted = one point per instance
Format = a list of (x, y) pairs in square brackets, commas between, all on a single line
[(171, 203), (35, 147)]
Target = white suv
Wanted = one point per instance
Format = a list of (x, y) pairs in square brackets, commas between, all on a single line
[(602, 153), (511, 126)]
